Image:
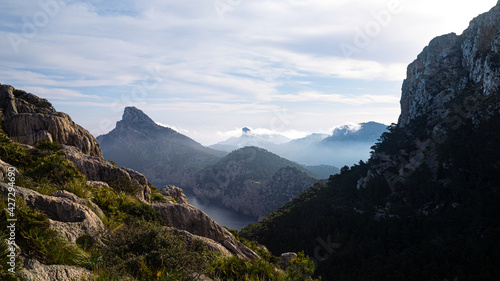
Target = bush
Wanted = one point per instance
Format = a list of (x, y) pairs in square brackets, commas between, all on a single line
[(150, 252)]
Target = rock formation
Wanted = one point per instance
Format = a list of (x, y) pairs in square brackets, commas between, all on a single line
[(461, 69), (175, 193), (98, 169), (33, 270), (68, 214), (163, 155), (30, 119), (187, 217), (454, 80)]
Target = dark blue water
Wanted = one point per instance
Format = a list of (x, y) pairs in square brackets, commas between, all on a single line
[(224, 216)]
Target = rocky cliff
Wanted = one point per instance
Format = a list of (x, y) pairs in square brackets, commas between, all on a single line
[(455, 74), (163, 155), (425, 205), (453, 82), (43, 173), (30, 119)]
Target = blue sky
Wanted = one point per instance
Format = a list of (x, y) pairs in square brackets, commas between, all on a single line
[(210, 67)]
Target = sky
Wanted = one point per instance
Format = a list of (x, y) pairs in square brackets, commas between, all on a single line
[(208, 68)]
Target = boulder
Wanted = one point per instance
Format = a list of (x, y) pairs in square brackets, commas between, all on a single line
[(33, 270), (285, 258), (71, 219), (29, 119), (209, 243), (174, 192), (189, 218), (5, 169)]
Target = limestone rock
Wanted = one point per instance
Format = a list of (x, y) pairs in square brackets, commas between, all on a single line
[(98, 169), (285, 258), (29, 119), (187, 217), (78, 200), (209, 243), (452, 68), (33, 270), (174, 192), (71, 219), (5, 169), (100, 184), (455, 79)]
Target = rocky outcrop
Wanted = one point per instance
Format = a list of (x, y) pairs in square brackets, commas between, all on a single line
[(285, 258), (69, 217), (456, 79), (98, 169), (33, 270), (174, 192), (29, 119), (6, 169), (163, 155), (454, 74), (209, 243), (187, 217)]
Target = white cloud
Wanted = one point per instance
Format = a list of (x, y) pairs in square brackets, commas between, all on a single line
[(264, 56), (57, 93), (313, 96)]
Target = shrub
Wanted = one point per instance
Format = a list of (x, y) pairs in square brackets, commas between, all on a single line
[(157, 197), (147, 252)]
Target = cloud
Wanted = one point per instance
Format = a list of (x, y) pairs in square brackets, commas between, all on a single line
[(58, 94), (313, 96)]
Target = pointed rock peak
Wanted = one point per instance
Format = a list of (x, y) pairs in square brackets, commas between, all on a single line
[(133, 115), (246, 131)]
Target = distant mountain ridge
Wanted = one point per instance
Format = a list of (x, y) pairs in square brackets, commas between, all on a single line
[(345, 146), (162, 154)]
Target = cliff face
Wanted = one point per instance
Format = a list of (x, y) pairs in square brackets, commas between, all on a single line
[(461, 70), (453, 82), (30, 119)]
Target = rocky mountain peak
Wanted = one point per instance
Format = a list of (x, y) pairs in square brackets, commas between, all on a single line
[(135, 116), (455, 71)]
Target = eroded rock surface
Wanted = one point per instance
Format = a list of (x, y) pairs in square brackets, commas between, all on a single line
[(71, 219), (29, 119)]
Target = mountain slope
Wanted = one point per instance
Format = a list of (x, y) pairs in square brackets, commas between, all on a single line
[(253, 181), (426, 204), (163, 155)]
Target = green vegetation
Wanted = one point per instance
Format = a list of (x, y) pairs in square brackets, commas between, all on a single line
[(436, 225), (137, 245)]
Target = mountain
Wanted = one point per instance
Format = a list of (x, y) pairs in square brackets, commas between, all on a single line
[(163, 155), (253, 181), (248, 138), (364, 132), (77, 216), (425, 206), (346, 145)]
